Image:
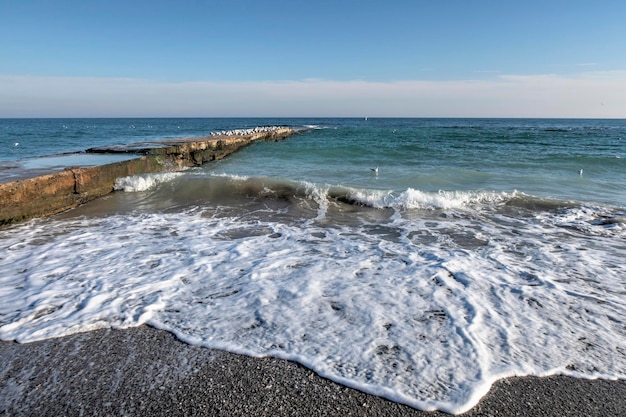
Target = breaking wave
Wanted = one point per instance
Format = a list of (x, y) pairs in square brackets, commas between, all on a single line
[(137, 183)]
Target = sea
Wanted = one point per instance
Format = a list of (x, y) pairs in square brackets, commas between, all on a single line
[(420, 260)]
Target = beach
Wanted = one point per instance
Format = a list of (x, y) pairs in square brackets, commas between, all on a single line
[(478, 251), (145, 371)]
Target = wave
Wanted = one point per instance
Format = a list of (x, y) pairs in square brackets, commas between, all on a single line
[(500, 296), (283, 189), (417, 199), (196, 189), (145, 182), (198, 184)]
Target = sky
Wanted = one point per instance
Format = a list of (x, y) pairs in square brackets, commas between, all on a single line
[(340, 58)]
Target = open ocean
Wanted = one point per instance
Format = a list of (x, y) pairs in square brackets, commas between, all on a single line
[(478, 251)]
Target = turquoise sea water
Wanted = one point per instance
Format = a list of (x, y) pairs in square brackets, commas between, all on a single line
[(477, 251), (539, 156)]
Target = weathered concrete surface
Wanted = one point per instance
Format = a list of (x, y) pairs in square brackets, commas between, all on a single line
[(39, 196), (186, 153), (59, 191)]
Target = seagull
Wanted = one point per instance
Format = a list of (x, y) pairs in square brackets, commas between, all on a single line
[(375, 170), (16, 144), (580, 172)]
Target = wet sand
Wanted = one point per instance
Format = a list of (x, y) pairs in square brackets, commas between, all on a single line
[(144, 371)]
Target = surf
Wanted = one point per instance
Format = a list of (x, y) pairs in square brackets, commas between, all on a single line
[(454, 267)]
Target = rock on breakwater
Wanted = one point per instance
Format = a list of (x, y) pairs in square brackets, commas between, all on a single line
[(55, 192)]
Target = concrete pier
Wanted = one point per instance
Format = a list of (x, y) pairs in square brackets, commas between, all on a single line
[(64, 189)]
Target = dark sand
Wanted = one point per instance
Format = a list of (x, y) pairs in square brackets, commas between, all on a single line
[(144, 371)]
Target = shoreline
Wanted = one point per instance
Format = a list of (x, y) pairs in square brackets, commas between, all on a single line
[(145, 371)]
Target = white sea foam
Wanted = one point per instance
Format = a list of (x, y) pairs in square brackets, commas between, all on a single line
[(428, 312), (230, 176), (319, 194), (416, 199), (144, 182)]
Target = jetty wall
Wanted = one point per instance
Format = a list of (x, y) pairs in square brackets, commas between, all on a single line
[(59, 191)]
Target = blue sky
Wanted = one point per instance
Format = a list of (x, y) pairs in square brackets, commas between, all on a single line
[(323, 58)]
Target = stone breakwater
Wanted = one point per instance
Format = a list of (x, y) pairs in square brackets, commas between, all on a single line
[(58, 191)]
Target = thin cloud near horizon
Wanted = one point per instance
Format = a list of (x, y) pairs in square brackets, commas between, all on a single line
[(599, 94)]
